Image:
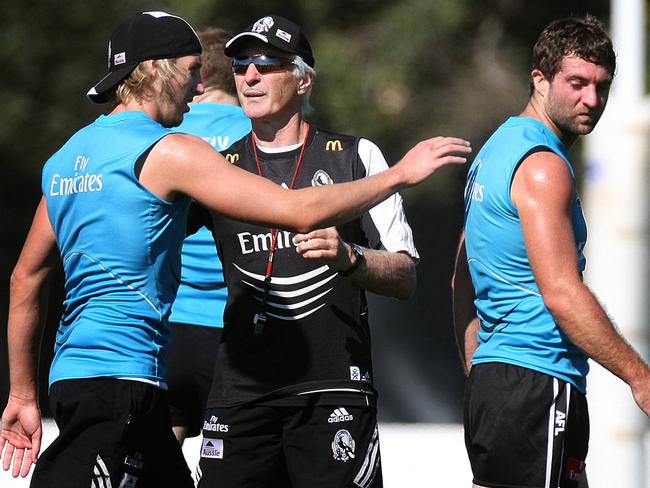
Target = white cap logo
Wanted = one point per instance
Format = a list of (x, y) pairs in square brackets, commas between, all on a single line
[(284, 35), (263, 25), (120, 58)]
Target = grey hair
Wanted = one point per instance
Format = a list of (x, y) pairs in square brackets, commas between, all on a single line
[(302, 70)]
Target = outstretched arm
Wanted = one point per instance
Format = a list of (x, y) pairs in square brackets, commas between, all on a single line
[(20, 434), (466, 322), (385, 273), (542, 191), (183, 164)]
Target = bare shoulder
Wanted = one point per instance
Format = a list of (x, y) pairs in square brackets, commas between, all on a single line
[(178, 146), (542, 174), (174, 164)]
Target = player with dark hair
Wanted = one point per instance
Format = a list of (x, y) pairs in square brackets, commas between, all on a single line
[(114, 208), (525, 321)]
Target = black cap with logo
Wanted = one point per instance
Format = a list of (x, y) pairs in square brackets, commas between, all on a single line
[(144, 36), (277, 32)]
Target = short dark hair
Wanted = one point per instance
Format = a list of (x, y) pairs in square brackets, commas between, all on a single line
[(216, 68), (584, 37)]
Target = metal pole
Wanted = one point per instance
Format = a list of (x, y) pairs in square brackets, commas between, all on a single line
[(615, 195)]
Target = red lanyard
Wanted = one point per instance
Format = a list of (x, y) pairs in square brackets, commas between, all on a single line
[(274, 232), (259, 320)]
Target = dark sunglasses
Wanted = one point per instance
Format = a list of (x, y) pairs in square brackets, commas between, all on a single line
[(263, 64)]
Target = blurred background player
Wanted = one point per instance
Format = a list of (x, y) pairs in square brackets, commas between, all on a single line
[(196, 319)]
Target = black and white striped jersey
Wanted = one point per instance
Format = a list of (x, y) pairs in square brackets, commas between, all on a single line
[(316, 337)]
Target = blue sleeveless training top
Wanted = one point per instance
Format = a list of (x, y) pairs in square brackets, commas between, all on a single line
[(202, 294), (516, 327), (120, 246)]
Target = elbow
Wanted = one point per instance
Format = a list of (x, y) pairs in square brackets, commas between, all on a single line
[(407, 288), (558, 302), (406, 294), (19, 278), (305, 221)]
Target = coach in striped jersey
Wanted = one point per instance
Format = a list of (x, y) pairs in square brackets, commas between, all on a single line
[(292, 400), (114, 209)]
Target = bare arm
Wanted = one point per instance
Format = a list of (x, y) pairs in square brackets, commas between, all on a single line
[(21, 422), (182, 164), (384, 273), (542, 190), (466, 322)]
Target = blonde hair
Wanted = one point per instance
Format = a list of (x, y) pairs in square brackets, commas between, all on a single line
[(139, 84)]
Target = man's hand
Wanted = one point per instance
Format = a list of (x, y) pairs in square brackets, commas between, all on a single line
[(326, 245), (429, 155), (20, 436)]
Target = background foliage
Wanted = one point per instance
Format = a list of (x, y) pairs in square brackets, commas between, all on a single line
[(394, 72)]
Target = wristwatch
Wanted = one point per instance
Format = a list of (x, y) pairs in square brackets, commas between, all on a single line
[(357, 250)]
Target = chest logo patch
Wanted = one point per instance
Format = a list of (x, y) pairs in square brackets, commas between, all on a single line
[(321, 178), (232, 158), (343, 446), (334, 145)]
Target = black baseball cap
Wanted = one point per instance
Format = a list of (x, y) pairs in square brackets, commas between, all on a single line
[(275, 31), (144, 36)]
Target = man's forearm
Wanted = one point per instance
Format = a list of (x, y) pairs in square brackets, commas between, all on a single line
[(391, 274), (26, 314), (466, 322), (586, 323)]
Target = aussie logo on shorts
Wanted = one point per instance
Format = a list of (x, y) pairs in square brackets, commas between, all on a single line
[(212, 448), (343, 446)]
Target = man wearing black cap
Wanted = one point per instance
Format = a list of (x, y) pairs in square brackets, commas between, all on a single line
[(115, 202), (292, 401)]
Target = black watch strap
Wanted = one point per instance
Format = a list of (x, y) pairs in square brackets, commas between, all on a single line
[(357, 250)]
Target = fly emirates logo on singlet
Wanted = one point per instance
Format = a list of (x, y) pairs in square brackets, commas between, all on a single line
[(220, 143), (473, 189), (82, 181)]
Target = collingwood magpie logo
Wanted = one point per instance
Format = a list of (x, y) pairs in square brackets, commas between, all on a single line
[(232, 158), (263, 25), (321, 178), (343, 446)]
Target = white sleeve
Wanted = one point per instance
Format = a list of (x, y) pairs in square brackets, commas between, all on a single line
[(388, 216)]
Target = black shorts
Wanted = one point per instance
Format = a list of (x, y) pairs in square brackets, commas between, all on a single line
[(111, 433), (313, 446), (190, 365), (524, 428)]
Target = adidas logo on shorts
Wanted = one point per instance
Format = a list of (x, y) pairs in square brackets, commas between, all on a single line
[(339, 415)]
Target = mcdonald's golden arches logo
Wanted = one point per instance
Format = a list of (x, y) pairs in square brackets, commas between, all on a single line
[(334, 145), (232, 158)]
